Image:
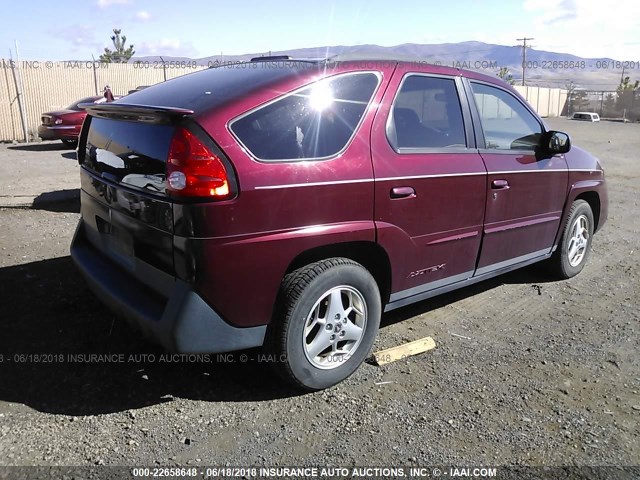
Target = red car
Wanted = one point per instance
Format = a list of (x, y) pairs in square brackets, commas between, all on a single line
[(65, 124), (288, 204)]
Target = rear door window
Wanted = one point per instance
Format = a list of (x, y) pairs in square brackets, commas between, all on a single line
[(315, 122), (427, 114)]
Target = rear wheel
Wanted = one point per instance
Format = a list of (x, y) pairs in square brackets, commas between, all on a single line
[(575, 244), (329, 316)]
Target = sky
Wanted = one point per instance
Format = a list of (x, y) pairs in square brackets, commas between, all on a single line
[(76, 30)]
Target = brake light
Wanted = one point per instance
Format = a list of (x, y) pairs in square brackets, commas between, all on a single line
[(193, 170)]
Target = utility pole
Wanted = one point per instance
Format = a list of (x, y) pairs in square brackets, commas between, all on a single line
[(95, 75), (17, 80), (164, 67), (570, 89), (524, 54)]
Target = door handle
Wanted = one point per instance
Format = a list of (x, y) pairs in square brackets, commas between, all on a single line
[(500, 185), (402, 192)]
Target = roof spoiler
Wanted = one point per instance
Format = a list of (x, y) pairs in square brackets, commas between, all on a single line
[(130, 111), (271, 58)]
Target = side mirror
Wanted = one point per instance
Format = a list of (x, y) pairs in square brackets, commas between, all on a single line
[(553, 142)]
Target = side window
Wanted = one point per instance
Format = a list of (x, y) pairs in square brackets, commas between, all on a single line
[(315, 122), (506, 123), (426, 114)]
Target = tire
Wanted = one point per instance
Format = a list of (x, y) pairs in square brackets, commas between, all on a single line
[(70, 143), (313, 350), (575, 244)]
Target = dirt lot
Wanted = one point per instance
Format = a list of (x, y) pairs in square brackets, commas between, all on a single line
[(526, 371)]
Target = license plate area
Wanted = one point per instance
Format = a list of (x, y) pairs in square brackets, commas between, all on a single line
[(115, 242), (121, 242), (132, 239)]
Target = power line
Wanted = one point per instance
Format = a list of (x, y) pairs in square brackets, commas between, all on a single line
[(524, 54)]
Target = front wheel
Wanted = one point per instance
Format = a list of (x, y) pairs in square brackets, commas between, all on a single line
[(327, 322), (575, 244)]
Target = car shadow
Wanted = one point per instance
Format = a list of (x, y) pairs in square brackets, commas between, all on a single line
[(536, 275), (63, 352), (58, 201), (70, 155), (41, 147)]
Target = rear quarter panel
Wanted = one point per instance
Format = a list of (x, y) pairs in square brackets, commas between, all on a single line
[(237, 252)]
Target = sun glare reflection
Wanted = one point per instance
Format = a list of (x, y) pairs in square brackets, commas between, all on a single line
[(321, 97)]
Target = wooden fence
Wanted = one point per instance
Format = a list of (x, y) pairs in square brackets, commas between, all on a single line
[(548, 102), (47, 86)]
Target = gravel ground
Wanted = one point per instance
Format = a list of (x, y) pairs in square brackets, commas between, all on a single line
[(37, 174), (526, 371)]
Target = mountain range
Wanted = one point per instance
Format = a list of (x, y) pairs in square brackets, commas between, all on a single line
[(549, 69)]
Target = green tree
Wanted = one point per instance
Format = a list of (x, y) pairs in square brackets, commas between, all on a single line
[(579, 100), (120, 54), (626, 94), (505, 75), (609, 105)]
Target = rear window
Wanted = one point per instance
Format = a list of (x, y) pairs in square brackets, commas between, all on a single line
[(131, 153), (586, 116), (74, 106), (317, 121), (208, 89)]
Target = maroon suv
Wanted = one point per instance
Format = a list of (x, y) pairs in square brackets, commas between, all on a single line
[(287, 204)]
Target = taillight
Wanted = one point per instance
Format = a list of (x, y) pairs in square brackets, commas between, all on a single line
[(193, 170)]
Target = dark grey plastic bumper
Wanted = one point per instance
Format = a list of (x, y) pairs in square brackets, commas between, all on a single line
[(182, 322)]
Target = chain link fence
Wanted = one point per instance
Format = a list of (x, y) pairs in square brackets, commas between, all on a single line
[(609, 104)]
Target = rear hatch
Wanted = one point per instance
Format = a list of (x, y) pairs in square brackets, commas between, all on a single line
[(137, 162), (126, 211)]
